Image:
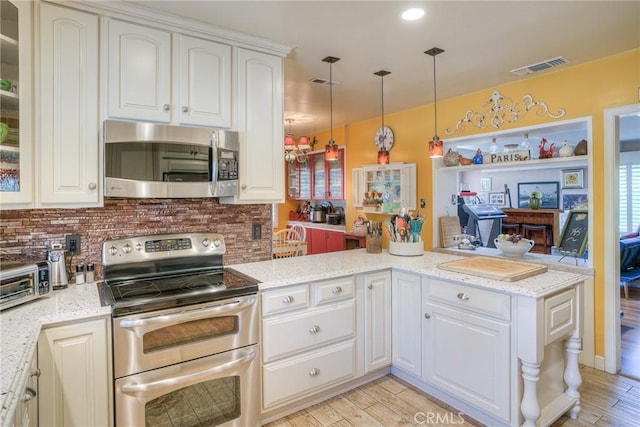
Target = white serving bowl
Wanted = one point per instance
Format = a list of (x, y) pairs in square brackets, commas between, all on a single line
[(509, 248)]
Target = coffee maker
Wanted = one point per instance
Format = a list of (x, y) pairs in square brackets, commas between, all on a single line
[(56, 256)]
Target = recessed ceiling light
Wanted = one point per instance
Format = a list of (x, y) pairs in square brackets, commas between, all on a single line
[(412, 14)]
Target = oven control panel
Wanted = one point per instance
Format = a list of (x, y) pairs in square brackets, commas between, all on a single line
[(163, 246)]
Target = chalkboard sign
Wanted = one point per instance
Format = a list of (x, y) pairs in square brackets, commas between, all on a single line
[(573, 239)]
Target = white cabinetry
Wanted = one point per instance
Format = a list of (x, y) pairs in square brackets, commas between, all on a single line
[(141, 85), (308, 339), (392, 186), (26, 414), (406, 310), (377, 320), (260, 109), (75, 381), (68, 145), (16, 162), (467, 334)]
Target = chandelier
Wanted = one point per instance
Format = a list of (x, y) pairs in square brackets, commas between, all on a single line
[(296, 151)]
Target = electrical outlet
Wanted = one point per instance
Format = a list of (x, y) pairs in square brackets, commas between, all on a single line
[(256, 231), (73, 244)]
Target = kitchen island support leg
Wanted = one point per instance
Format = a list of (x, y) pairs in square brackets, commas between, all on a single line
[(572, 372), (529, 406)]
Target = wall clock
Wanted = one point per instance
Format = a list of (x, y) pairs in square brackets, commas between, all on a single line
[(384, 138)]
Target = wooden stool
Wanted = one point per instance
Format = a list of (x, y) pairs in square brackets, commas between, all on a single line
[(510, 228), (540, 234)]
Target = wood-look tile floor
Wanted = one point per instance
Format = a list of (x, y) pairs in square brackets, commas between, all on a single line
[(607, 400)]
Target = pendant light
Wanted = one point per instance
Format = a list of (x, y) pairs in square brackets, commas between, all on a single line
[(331, 149), (435, 145), (383, 155)]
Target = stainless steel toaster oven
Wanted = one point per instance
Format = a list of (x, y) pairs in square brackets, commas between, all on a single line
[(23, 282)]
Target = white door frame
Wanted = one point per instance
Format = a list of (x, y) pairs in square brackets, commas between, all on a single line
[(611, 236)]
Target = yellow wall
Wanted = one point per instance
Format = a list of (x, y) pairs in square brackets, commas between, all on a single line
[(582, 90)]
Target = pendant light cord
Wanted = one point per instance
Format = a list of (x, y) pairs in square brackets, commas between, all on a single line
[(331, 102), (382, 95), (435, 97)]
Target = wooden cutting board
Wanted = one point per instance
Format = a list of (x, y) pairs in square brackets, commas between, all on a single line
[(449, 227), (494, 268)]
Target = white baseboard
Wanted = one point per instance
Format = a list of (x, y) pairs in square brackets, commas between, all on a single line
[(599, 363)]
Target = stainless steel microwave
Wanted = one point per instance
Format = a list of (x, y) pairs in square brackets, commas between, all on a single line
[(21, 282), (148, 160)]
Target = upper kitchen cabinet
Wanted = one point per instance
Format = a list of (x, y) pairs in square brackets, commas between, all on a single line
[(299, 180), (142, 87), (327, 177), (385, 188), (259, 119), (16, 139), (68, 146)]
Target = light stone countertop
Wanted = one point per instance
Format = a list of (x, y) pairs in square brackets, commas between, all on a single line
[(21, 325), (19, 330), (290, 271)]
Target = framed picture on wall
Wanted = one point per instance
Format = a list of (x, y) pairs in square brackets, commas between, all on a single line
[(549, 191), (485, 184), (573, 178), (574, 200), (497, 199)]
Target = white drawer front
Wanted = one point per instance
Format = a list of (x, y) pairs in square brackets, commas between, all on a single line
[(560, 316), (287, 299), (286, 335), (296, 376), (481, 301), (333, 290)]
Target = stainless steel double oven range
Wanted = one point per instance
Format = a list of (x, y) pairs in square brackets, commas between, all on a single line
[(185, 333)]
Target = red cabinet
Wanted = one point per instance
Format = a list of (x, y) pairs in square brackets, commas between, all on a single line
[(317, 178), (322, 241)]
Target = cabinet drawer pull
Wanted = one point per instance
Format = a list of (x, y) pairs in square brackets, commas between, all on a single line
[(36, 373), (29, 394), (337, 290), (287, 300), (92, 186), (314, 329), (166, 107), (427, 316), (185, 109), (314, 372), (370, 286), (463, 296)]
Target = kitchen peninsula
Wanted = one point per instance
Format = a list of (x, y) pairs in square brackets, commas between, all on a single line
[(515, 332)]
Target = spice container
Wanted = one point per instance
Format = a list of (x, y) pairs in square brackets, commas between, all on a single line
[(89, 276), (79, 274)]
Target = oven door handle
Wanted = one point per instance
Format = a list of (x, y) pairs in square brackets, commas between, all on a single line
[(191, 378), (170, 319)]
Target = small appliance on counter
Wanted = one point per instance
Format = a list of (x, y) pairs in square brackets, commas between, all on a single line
[(318, 213), (57, 259), (23, 282)]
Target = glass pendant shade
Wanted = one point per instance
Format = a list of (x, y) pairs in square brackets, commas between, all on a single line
[(383, 157), (289, 142), (436, 148), (331, 151)]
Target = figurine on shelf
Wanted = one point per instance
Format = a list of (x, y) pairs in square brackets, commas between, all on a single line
[(463, 160), (566, 150), (478, 159), (544, 153)]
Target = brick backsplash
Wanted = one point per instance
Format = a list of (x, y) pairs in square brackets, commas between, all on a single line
[(27, 234)]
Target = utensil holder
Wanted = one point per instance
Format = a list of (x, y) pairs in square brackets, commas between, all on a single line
[(374, 244), (406, 249)]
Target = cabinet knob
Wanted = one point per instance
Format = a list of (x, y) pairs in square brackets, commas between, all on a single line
[(29, 394), (36, 373), (287, 300), (462, 296), (370, 286), (314, 329), (166, 107), (337, 290), (243, 186), (185, 109), (427, 316), (314, 372), (92, 186)]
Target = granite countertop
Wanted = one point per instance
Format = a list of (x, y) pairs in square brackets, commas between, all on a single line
[(21, 325), (19, 330), (290, 271)]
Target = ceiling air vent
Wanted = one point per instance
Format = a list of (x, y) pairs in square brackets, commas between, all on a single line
[(322, 81), (539, 66)]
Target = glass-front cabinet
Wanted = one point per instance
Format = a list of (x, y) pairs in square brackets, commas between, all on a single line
[(317, 178), (385, 188), (16, 175)]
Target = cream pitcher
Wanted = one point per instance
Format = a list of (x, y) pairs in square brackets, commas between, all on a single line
[(56, 257)]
